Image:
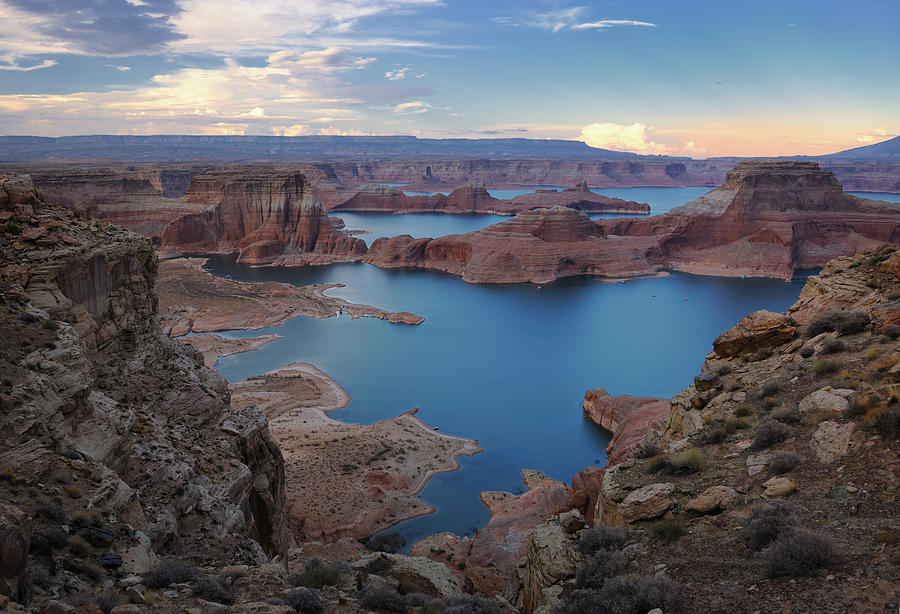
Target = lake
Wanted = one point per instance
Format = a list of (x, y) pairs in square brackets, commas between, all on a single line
[(505, 364)]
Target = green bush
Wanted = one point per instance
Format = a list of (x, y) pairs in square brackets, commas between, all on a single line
[(842, 322), (13, 228), (767, 523), (318, 574), (799, 553), (666, 529), (689, 461), (599, 568), (769, 433), (826, 366), (170, 571), (886, 422), (783, 462), (603, 538)]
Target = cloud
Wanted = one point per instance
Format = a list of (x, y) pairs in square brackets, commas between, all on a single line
[(501, 130), (692, 148), (634, 138), (878, 134), (92, 27), (414, 107), (609, 23), (567, 19), (12, 65), (119, 68), (396, 75)]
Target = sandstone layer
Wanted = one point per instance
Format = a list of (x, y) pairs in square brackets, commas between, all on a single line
[(267, 217), (214, 347), (346, 480), (134, 442), (628, 418), (193, 300), (768, 220)]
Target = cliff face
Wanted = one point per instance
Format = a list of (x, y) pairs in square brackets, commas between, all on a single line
[(131, 433), (265, 216)]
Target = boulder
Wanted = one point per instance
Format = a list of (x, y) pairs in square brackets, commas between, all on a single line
[(757, 330), (415, 574), (779, 487), (647, 502), (826, 399), (831, 440), (713, 499), (15, 540)]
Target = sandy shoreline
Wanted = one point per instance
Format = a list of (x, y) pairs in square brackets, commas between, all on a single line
[(346, 480)]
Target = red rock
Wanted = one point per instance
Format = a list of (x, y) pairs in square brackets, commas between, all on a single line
[(267, 217), (628, 418), (757, 330), (580, 198), (585, 490)]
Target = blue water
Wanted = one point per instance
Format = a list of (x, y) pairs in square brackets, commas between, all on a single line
[(891, 198), (447, 193), (505, 364)]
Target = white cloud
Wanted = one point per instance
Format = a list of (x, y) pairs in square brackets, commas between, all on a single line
[(395, 75), (119, 68), (567, 19), (414, 107), (692, 148), (877, 134), (609, 23), (634, 138), (16, 67)]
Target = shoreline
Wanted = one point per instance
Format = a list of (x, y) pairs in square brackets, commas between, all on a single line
[(370, 474)]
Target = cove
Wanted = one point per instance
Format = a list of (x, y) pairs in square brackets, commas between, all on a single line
[(506, 364)]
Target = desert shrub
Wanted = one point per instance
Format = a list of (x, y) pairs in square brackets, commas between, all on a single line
[(469, 605), (13, 228), (733, 423), (213, 589), (602, 566), (40, 576), (656, 464), (49, 324), (842, 322), (639, 595), (56, 538), (892, 332), (886, 537), (52, 510), (106, 600), (786, 415), (715, 434), (783, 462), (318, 574), (744, 409), (806, 351), (418, 600), (602, 538), (689, 461), (386, 542), (88, 569), (768, 389), (580, 601), (666, 529), (304, 601), (861, 404), (83, 519), (724, 369), (384, 599), (768, 522), (833, 346), (378, 565), (73, 490), (79, 547), (762, 354), (169, 571), (769, 433), (798, 553), (886, 422)]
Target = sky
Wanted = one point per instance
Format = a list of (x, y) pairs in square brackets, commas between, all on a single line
[(676, 77)]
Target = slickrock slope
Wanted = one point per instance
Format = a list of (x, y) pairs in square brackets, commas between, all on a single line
[(775, 472), (267, 217), (628, 418), (109, 427), (537, 246)]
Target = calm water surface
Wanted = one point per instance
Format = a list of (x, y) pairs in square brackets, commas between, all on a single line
[(505, 364)]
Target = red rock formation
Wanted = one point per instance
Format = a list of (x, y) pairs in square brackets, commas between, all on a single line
[(580, 198), (628, 418), (264, 216), (539, 245)]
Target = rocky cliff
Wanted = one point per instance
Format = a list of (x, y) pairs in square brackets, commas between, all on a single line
[(772, 473), (116, 443), (768, 220), (267, 217), (579, 198)]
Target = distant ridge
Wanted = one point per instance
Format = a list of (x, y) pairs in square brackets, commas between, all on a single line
[(886, 150), (177, 148)]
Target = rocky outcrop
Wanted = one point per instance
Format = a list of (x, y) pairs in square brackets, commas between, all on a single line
[(628, 418), (139, 431), (266, 217), (536, 246), (757, 330), (474, 198), (580, 198)]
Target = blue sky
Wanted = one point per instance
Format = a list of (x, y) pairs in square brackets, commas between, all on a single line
[(687, 77)]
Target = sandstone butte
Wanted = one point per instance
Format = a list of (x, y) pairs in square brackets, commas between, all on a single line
[(769, 219), (474, 198), (269, 217)]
